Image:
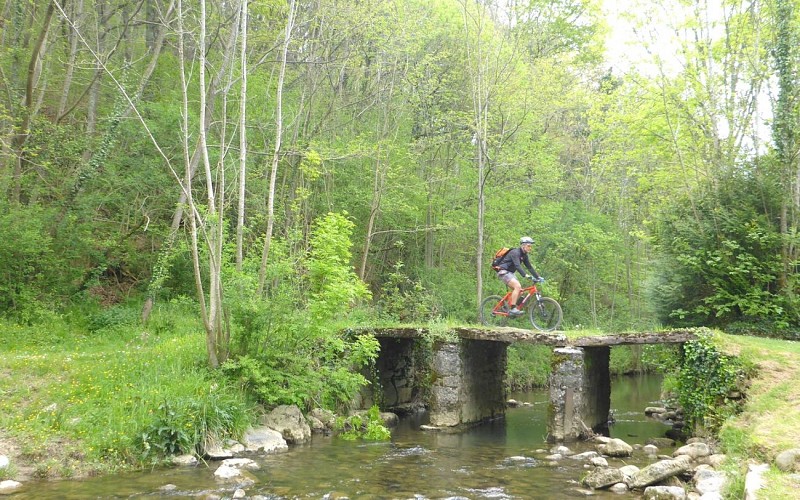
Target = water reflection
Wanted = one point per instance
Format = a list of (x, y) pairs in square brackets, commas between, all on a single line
[(498, 460)]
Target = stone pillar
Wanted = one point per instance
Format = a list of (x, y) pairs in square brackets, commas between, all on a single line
[(391, 386), (580, 393), (468, 382), (445, 404)]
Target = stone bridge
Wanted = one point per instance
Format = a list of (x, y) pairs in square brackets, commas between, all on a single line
[(464, 374)]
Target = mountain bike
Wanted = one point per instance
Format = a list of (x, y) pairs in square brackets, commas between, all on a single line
[(544, 312)]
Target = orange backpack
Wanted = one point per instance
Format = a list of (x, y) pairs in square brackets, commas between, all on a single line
[(498, 257)]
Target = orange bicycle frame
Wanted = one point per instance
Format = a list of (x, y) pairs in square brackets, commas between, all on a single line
[(524, 297)]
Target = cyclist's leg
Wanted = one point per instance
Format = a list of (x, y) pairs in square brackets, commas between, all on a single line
[(512, 282)]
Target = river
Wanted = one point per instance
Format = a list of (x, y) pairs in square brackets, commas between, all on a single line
[(498, 460)]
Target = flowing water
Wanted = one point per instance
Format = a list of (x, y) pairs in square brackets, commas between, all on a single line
[(499, 460)]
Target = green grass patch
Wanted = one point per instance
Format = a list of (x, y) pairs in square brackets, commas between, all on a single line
[(779, 486), (75, 398), (770, 417)]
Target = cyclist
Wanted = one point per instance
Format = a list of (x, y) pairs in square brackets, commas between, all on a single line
[(512, 262)]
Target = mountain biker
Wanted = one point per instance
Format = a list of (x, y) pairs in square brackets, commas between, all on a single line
[(512, 262)]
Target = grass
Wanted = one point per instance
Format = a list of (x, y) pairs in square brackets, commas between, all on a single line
[(76, 402), (771, 417)]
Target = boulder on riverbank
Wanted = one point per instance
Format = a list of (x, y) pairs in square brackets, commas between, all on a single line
[(290, 422), (603, 478), (321, 420), (8, 486), (664, 493), (615, 448), (660, 471), (789, 460), (668, 478), (264, 439)]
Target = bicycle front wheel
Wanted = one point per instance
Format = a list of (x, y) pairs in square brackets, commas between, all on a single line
[(492, 312), (546, 314)]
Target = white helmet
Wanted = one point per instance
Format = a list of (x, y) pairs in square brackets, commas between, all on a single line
[(525, 240)]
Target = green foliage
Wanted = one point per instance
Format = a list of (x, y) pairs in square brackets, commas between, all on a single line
[(661, 358), (405, 300), (705, 380), (721, 259), (368, 426), (452, 288), (764, 327), (334, 287), (192, 425), (529, 366), (29, 268), (287, 354), (119, 316), (627, 359)]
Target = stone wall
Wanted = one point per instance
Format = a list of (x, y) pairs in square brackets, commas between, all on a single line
[(580, 393), (468, 382), (394, 370)]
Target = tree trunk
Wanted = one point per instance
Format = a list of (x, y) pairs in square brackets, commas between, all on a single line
[(21, 137), (480, 108), (242, 138), (786, 130), (77, 16), (262, 275), (375, 207)]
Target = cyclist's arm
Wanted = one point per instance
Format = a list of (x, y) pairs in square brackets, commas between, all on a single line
[(527, 263)]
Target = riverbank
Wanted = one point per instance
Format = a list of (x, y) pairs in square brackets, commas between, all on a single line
[(770, 422), (77, 402)]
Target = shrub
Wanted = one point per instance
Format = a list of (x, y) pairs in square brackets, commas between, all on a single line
[(529, 366), (28, 267), (705, 380), (287, 351), (191, 425), (113, 317), (406, 300), (368, 426)]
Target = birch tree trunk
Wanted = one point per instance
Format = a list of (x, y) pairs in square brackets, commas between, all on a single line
[(242, 137), (187, 192), (214, 323), (262, 275), (476, 65), (212, 311)]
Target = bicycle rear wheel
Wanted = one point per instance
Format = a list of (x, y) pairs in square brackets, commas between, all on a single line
[(490, 316), (546, 314)]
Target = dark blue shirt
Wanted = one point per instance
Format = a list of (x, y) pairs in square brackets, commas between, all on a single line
[(514, 260)]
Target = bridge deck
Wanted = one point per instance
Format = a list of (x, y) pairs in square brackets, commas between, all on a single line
[(558, 339)]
